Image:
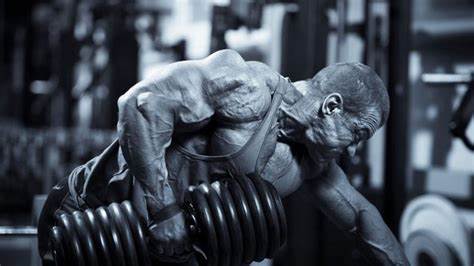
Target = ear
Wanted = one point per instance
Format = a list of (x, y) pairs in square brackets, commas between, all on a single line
[(332, 104)]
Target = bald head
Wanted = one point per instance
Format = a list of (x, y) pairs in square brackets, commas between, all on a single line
[(342, 105), (363, 92)]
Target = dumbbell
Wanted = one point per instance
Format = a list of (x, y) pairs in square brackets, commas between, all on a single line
[(232, 221)]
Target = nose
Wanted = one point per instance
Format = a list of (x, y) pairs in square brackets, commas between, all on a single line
[(351, 149)]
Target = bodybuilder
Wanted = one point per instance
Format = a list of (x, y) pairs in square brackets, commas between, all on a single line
[(198, 120)]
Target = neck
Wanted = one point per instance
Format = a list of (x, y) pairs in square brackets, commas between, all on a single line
[(293, 115), (289, 125)]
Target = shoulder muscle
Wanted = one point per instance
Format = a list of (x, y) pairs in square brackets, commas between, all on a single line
[(175, 89)]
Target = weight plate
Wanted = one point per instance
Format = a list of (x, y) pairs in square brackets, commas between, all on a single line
[(125, 234), (258, 216), (426, 248), (138, 234), (220, 223), (113, 236), (100, 238), (271, 214), (438, 215), (281, 215), (86, 238), (67, 223), (206, 225), (59, 246), (232, 222), (245, 218)]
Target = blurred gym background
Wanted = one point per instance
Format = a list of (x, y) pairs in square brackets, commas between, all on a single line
[(64, 63)]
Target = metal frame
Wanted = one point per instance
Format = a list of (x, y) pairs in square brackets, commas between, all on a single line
[(397, 139), (304, 50)]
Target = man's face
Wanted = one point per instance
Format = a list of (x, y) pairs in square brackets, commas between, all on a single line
[(323, 125), (329, 137)]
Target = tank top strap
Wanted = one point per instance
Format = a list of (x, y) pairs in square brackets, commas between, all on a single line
[(246, 160)]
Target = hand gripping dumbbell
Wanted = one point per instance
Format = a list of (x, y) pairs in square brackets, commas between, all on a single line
[(232, 221)]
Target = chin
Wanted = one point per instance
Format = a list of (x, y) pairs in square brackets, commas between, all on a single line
[(318, 158), (328, 155)]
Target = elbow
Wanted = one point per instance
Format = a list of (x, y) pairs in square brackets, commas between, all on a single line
[(129, 99), (124, 102), (126, 109)]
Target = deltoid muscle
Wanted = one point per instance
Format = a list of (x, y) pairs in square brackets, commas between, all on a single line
[(234, 220)]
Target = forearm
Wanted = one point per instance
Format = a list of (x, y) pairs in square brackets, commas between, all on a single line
[(375, 239), (352, 213)]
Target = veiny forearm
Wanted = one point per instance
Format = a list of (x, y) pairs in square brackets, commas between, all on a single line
[(374, 238), (352, 213)]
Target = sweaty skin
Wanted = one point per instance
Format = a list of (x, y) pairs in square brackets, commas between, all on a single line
[(185, 97)]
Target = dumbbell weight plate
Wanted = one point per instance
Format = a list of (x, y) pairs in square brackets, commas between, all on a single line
[(208, 232), (125, 233), (271, 215), (59, 245), (426, 248), (138, 233), (246, 220), (65, 221), (100, 238), (86, 238), (219, 222), (113, 238), (258, 216), (233, 222), (281, 215)]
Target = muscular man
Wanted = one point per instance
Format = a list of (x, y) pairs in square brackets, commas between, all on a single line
[(196, 120)]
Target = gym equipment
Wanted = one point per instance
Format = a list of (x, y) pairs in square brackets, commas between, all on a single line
[(462, 116), (232, 16), (18, 231), (434, 232), (232, 221), (52, 154)]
